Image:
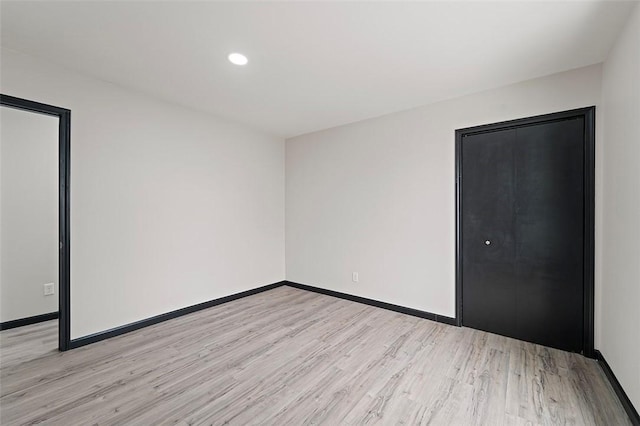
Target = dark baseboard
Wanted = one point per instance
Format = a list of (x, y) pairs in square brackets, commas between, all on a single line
[(376, 303), (28, 321), (617, 387), (117, 331)]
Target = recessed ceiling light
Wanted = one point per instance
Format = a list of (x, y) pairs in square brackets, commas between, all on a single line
[(238, 59)]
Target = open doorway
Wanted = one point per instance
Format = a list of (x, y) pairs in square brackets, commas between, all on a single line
[(34, 234)]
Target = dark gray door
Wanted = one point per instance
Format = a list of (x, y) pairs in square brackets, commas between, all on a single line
[(522, 232)]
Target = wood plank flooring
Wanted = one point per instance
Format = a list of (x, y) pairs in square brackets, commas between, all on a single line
[(288, 356)]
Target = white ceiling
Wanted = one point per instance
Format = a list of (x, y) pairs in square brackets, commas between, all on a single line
[(313, 65)]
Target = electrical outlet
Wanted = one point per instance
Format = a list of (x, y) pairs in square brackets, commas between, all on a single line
[(354, 277), (49, 289)]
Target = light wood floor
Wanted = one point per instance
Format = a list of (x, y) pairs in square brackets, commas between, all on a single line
[(288, 356)]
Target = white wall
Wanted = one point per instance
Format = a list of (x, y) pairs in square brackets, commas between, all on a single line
[(29, 213), (169, 206), (620, 318), (377, 196)]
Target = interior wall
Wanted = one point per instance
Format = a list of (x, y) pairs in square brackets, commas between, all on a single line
[(620, 343), (28, 213), (377, 196), (169, 206)]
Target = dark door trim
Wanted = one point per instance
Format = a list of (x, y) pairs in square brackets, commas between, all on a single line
[(588, 114), (64, 168)]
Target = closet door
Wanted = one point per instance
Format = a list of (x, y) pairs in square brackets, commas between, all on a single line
[(522, 224), (488, 200), (549, 222)]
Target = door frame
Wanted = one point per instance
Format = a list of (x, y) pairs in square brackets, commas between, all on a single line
[(588, 114), (64, 169)]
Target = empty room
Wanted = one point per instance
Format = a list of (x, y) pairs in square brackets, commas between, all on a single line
[(320, 212)]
